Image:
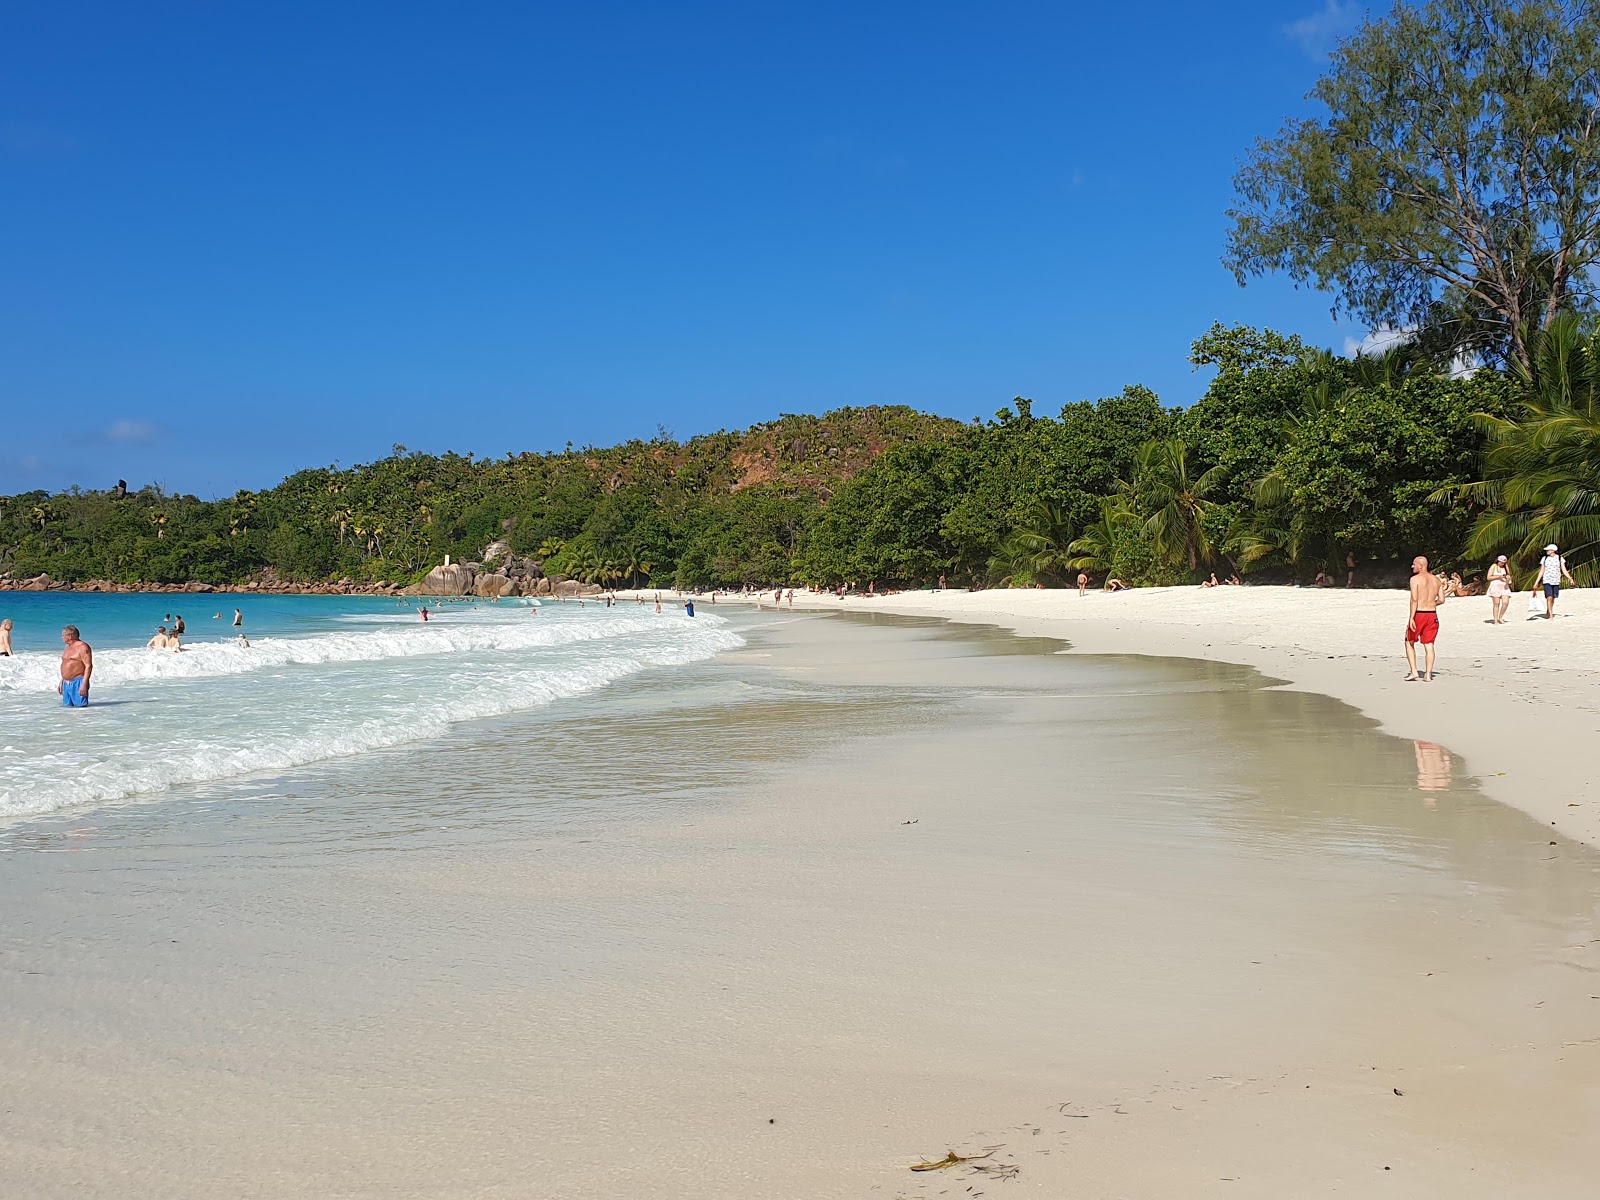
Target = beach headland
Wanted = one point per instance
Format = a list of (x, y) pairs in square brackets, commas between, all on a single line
[(1519, 702)]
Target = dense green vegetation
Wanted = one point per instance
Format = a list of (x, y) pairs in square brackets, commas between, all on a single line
[(1290, 460), (1450, 190), (1450, 186)]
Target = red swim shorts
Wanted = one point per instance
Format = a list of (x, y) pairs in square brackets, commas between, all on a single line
[(1424, 628)]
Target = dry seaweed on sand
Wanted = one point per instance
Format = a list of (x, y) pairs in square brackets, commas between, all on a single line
[(952, 1159)]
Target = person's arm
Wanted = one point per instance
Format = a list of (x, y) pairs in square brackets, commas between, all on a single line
[(1411, 616), (1568, 573), (88, 669)]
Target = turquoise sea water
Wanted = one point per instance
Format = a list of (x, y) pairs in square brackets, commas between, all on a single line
[(323, 677)]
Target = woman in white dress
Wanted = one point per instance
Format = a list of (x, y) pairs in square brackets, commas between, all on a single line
[(1500, 589)]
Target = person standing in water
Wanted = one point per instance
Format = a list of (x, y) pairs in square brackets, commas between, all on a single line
[(238, 618), (5, 638), (77, 667), (1427, 593), (688, 607), (178, 626)]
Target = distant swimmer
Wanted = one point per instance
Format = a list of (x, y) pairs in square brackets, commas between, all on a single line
[(1427, 593), (238, 618), (5, 638), (424, 614), (244, 641), (178, 626), (77, 667), (689, 607)]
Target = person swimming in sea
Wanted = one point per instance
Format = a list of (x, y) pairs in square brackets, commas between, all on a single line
[(159, 640)]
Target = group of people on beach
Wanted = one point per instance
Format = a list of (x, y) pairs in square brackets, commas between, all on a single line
[(1428, 591)]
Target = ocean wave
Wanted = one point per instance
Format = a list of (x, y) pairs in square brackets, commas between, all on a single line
[(34, 672), (297, 726)]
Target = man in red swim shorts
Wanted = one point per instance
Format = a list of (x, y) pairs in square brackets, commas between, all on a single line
[(1427, 593)]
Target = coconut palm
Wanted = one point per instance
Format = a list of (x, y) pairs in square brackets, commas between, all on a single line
[(1541, 479), (1095, 549), (1178, 502), (1038, 551)]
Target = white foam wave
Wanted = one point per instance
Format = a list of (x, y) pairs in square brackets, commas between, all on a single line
[(203, 659), (302, 725)]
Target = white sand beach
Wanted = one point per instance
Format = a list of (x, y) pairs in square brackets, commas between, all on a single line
[(1519, 702), (782, 926)]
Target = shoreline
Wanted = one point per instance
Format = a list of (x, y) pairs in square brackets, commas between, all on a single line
[(1515, 702), (851, 897)]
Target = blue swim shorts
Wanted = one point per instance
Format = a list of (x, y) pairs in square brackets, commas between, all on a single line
[(72, 693), (1552, 590)]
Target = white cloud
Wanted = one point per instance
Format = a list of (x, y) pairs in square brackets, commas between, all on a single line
[(1379, 341), (129, 432), (1317, 34)]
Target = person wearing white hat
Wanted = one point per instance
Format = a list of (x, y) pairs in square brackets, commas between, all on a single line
[(1552, 567), (1499, 576)]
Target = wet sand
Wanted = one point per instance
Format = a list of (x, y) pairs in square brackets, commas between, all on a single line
[(1153, 929), (1519, 701)]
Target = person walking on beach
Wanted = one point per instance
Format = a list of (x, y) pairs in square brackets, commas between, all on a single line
[(5, 638), (1350, 569), (1552, 568), (77, 666), (1499, 576), (1427, 593)]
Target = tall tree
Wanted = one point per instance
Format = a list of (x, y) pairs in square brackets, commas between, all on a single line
[(1454, 184)]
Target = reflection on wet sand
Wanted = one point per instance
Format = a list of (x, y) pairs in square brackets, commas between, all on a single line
[(1433, 769)]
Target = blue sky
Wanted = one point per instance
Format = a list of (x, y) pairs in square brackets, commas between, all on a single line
[(237, 240)]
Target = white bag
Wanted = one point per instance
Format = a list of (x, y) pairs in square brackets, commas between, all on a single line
[(1535, 602)]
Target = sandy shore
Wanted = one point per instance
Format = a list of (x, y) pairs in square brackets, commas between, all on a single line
[(1520, 702), (778, 926)]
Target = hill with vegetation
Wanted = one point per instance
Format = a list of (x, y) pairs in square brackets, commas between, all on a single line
[(1292, 459)]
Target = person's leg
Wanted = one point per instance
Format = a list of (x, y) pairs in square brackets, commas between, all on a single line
[(1411, 658), (1549, 603), (1428, 658)]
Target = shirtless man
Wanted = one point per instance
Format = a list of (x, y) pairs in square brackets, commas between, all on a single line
[(77, 666), (5, 638), (1427, 593)]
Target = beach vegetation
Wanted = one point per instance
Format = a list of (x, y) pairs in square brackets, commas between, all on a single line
[(1449, 185)]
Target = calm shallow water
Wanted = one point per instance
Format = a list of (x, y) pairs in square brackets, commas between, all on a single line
[(619, 916)]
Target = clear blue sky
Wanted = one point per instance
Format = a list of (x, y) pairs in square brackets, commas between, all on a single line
[(237, 240)]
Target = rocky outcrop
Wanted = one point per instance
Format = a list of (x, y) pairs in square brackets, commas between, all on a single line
[(454, 580), (493, 584)]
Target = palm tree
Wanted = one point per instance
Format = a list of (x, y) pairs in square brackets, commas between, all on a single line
[(1095, 549), (1038, 551), (1541, 478), (1179, 503)]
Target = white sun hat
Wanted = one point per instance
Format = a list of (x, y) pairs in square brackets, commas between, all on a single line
[(1550, 549)]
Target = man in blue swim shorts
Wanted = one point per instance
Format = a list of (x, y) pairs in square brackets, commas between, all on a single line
[(77, 665)]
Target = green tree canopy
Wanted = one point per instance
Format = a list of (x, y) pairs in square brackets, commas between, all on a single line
[(1454, 184)]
